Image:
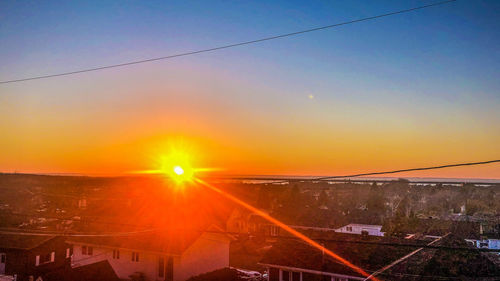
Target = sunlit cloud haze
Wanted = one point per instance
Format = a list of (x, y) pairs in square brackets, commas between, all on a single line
[(400, 92)]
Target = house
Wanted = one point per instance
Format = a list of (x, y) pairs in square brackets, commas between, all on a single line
[(366, 229), (295, 260), (485, 243), (242, 221), (159, 255), (290, 260), (31, 256), (238, 221)]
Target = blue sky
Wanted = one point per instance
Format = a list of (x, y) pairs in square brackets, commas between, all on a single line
[(432, 70)]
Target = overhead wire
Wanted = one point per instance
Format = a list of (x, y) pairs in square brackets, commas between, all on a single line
[(410, 170), (151, 228), (226, 46), (347, 177)]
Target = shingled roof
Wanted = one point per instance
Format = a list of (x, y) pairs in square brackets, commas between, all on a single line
[(463, 229), (161, 241), (425, 265), (431, 264), (101, 271), (295, 253), (22, 241)]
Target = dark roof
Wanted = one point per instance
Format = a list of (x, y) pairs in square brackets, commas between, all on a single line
[(23, 242), (372, 257), (295, 253), (463, 229), (224, 274), (169, 242), (460, 264), (101, 271)]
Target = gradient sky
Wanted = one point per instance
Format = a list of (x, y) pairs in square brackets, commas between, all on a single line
[(409, 90)]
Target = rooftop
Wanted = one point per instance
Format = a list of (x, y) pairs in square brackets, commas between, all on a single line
[(22, 241), (96, 271), (372, 257), (169, 242)]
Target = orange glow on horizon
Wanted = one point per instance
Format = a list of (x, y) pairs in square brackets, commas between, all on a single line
[(176, 165), (287, 228)]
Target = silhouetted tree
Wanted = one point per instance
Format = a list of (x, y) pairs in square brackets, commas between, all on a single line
[(376, 201), (264, 198), (323, 199)]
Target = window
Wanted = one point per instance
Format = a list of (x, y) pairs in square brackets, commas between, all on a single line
[(46, 258), (167, 271), (274, 274), (116, 254), (161, 267), (170, 269), (135, 256), (275, 230), (290, 276), (3, 258), (285, 275), (349, 228), (87, 250)]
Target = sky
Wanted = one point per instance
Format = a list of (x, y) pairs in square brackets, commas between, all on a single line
[(410, 90)]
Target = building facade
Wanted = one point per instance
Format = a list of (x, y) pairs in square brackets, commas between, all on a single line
[(155, 257), (29, 257), (367, 229)]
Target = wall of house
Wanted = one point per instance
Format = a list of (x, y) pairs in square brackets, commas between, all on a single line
[(486, 243), (208, 253), (2, 262), (16, 261), (124, 267), (23, 262), (494, 244), (283, 273), (373, 230)]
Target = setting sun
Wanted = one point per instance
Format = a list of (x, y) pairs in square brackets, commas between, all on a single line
[(177, 166), (178, 170)]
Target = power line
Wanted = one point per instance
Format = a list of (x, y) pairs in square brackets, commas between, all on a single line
[(372, 276), (315, 179), (412, 169), (257, 235), (74, 234), (324, 240), (226, 46)]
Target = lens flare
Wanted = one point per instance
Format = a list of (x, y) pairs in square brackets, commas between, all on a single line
[(177, 166), (288, 229)]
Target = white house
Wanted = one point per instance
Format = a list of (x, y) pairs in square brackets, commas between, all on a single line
[(167, 256), (485, 243), (355, 228)]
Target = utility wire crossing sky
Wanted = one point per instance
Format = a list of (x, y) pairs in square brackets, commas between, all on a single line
[(229, 46), (418, 87)]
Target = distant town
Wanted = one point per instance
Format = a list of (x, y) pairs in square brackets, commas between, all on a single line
[(142, 228)]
